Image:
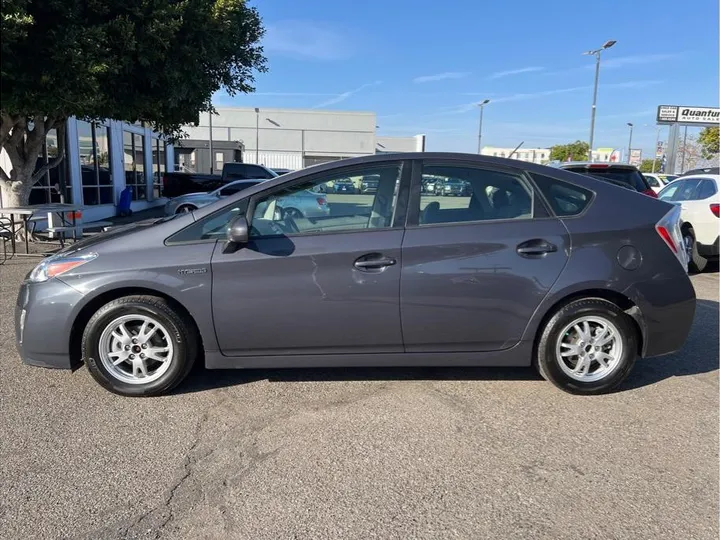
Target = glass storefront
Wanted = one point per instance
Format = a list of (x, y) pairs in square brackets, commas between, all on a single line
[(158, 155), (96, 174), (134, 164), (53, 187)]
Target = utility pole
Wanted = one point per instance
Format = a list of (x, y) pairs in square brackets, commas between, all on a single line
[(657, 141), (482, 107), (682, 161), (630, 142), (257, 135), (212, 156), (596, 54)]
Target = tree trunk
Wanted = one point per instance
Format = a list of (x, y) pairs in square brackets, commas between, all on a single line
[(11, 194)]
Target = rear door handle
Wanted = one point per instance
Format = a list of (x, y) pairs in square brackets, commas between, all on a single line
[(374, 261), (535, 247)]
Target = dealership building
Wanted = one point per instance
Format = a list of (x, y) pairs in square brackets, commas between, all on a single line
[(103, 158), (284, 138)]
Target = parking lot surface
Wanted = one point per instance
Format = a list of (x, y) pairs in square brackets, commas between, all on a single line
[(363, 453)]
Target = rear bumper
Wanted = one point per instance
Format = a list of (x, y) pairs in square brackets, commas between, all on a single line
[(43, 319), (666, 309)]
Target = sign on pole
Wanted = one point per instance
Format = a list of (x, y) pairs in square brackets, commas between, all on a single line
[(636, 157), (695, 116), (660, 150)]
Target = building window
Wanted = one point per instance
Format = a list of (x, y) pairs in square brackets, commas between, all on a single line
[(219, 161), (133, 158), (158, 155), (53, 187), (96, 177)]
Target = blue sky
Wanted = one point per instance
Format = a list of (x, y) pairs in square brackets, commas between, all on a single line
[(423, 65)]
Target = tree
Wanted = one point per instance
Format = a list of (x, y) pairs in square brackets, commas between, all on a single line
[(709, 140), (647, 165), (134, 60), (576, 151)]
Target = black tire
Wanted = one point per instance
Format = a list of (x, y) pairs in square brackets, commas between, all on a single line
[(546, 359), (181, 330), (697, 262)]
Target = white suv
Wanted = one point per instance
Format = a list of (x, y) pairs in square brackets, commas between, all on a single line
[(699, 197)]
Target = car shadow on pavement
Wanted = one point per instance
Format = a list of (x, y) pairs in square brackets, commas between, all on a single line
[(700, 355)]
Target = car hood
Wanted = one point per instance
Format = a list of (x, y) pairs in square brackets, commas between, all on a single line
[(94, 241)]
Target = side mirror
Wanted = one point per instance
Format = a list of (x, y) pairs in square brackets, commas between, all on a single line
[(239, 231)]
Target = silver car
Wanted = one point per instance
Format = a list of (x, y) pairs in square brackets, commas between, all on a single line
[(193, 201)]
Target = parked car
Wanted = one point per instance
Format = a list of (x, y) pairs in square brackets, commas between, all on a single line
[(193, 201), (369, 184), (176, 184), (699, 198), (702, 170), (620, 174), (344, 185), (280, 172), (655, 181), (533, 274), (454, 187), (432, 186)]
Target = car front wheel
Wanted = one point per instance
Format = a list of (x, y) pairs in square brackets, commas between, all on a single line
[(139, 346), (588, 346)]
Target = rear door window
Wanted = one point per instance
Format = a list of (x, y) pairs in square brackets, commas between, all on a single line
[(629, 178), (565, 199)]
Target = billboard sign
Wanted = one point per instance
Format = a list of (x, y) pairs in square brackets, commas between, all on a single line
[(636, 157), (695, 116)]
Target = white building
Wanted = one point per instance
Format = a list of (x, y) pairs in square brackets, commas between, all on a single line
[(532, 155), (542, 155), (285, 138), (101, 160)]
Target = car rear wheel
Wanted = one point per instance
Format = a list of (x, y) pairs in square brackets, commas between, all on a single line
[(588, 346), (697, 262), (185, 208), (139, 346)]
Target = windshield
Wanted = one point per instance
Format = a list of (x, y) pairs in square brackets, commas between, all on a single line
[(617, 175)]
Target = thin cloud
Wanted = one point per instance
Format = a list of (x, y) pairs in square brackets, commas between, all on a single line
[(441, 76), (342, 97), (306, 40), (544, 93), (501, 74), (623, 61)]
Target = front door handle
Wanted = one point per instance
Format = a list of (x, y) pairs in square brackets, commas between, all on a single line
[(374, 261), (535, 248)]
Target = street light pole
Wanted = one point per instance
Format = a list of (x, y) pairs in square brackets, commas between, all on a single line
[(630, 141), (257, 136), (212, 158), (482, 108), (596, 54)]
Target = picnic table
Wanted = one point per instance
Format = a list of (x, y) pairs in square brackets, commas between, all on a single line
[(26, 213)]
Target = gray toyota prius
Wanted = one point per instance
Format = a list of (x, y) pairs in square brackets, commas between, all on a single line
[(532, 266)]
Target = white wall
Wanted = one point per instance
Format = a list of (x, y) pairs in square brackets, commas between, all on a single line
[(401, 144)]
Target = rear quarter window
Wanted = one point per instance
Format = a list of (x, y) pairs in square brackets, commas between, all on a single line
[(631, 178), (564, 198)]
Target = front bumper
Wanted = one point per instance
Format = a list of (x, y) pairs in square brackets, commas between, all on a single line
[(44, 314)]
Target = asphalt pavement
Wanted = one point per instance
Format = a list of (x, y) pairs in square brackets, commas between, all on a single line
[(362, 453)]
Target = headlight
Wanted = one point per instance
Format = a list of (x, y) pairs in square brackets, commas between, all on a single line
[(57, 265)]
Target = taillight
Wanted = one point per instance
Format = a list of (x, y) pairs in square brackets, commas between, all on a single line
[(598, 166), (715, 209), (650, 193), (668, 228), (321, 201)]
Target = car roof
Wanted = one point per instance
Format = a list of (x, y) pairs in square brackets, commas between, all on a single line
[(715, 177)]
